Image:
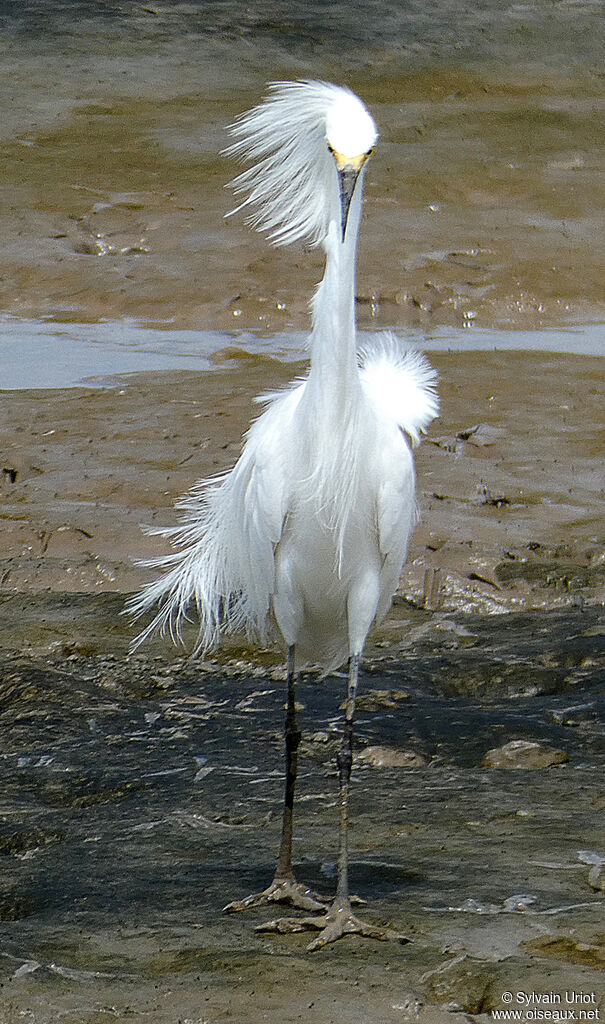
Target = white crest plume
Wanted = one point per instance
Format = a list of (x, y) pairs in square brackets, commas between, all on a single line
[(287, 137)]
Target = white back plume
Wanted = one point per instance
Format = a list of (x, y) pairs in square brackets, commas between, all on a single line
[(400, 381)]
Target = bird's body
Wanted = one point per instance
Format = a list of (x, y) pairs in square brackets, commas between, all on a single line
[(319, 506), (310, 529)]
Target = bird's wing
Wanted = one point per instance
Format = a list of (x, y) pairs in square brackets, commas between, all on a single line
[(400, 382), (396, 510), (260, 501)]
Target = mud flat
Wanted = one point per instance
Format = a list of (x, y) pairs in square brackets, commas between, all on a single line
[(480, 202), (140, 794), (510, 487)]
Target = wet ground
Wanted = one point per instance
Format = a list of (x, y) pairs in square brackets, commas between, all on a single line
[(140, 794), (480, 200), (509, 478)]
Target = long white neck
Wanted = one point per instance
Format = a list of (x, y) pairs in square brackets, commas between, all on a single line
[(334, 377), (331, 404)]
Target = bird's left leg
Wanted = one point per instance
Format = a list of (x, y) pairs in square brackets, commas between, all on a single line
[(284, 888), (340, 919)]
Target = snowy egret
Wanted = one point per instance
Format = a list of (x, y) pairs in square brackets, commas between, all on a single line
[(310, 529)]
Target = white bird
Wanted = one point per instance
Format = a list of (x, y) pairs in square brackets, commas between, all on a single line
[(310, 529)]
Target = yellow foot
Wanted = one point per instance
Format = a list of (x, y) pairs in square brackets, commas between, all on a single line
[(339, 921), (281, 890)]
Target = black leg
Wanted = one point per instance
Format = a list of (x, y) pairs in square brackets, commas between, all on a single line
[(292, 738), (340, 919), (284, 888), (344, 760)]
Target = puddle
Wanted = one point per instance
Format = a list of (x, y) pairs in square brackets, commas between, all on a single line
[(41, 354)]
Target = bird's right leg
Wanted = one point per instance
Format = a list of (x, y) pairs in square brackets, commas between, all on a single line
[(284, 888)]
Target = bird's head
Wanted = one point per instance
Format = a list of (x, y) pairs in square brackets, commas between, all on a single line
[(350, 135), (296, 136)]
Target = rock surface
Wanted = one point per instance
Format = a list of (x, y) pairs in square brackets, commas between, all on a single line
[(388, 757), (523, 754)]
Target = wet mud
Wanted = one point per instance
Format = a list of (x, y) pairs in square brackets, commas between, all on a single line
[(509, 481), (480, 199), (487, 202), (141, 794)]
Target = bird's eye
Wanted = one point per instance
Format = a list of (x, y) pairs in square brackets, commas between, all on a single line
[(331, 148)]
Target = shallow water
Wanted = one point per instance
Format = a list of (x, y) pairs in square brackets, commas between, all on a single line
[(38, 354)]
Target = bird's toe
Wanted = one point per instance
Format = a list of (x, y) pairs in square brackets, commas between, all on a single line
[(338, 922), (281, 890), (342, 922), (289, 925)]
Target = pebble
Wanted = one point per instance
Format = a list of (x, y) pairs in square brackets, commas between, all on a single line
[(389, 757), (460, 984), (523, 754), (596, 877), (374, 700), (568, 949)]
